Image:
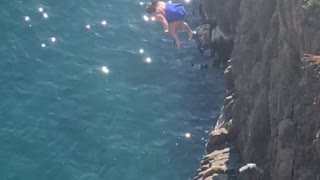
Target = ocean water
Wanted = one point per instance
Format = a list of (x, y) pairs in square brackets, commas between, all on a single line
[(65, 117)]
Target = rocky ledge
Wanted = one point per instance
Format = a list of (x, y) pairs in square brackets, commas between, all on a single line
[(222, 159)]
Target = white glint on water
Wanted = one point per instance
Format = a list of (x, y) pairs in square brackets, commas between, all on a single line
[(188, 135), (187, 1), (170, 2), (40, 9), (105, 70), (45, 15), (146, 18), (141, 51), (141, 3), (88, 26), (53, 39), (153, 18), (148, 60), (43, 45), (27, 18), (104, 22)]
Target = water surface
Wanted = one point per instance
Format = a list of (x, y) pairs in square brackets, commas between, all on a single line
[(63, 118)]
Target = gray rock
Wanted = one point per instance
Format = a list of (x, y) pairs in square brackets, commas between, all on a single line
[(228, 78), (202, 37), (220, 177), (287, 132), (276, 112), (317, 144)]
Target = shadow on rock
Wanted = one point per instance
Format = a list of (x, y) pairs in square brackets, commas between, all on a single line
[(210, 37)]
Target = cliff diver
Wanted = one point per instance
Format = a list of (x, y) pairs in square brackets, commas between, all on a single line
[(171, 16)]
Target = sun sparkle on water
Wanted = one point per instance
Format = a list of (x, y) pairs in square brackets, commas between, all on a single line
[(105, 70), (146, 18), (148, 60), (104, 22), (45, 15), (27, 18), (188, 135), (53, 39)]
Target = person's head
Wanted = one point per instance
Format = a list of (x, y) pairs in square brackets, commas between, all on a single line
[(151, 7)]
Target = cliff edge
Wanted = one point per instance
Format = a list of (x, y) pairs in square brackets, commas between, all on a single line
[(271, 113)]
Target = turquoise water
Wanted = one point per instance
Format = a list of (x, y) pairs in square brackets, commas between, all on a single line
[(63, 118)]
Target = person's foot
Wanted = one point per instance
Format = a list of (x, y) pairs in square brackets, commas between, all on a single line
[(190, 35), (178, 44)]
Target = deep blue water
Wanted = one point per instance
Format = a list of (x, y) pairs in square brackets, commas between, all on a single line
[(62, 118)]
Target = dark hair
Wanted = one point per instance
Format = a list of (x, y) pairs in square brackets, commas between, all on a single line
[(152, 7)]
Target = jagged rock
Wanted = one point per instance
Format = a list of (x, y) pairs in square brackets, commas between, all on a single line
[(228, 106), (217, 138), (250, 171), (202, 37), (213, 170), (222, 161), (228, 78), (317, 144), (222, 45), (210, 36)]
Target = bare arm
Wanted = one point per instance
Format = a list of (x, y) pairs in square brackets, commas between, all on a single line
[(162, 19)]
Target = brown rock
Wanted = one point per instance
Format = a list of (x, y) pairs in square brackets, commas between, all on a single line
[(213, 170), (221, 161), (217, 138)]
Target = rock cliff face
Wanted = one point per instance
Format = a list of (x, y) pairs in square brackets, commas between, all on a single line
[(271, 114)]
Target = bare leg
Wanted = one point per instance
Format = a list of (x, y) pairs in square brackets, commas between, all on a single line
[(187, 29), (173, 29)]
